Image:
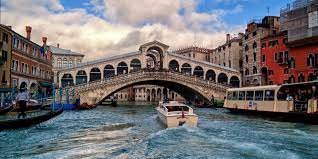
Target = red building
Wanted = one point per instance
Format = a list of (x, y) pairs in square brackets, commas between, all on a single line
[(303, 60), (274, 59)]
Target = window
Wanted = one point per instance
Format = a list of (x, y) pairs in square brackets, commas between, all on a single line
[(254, 45), (247, 72), (5, 37), (269, 95), (263, 45), (263, 58), (286, 55), (59, 62), (70, 62), (17, 66), (246, 37), (65, 62), (285, 41), (270, 44), (275, 56), (259, 95), (14, 83), (241, 95), (254, 33), (292, 63), (24, 47), (254, 56), (4, 55), (12, 64), (274, 31), (193, 55), (249, 95), (310, 60), (33, 51), (246, 58), (286, 72), (254, 70), (230, 65), (234, 96)]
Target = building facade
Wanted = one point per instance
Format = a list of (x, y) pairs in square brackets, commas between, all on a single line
[(300, 20), (63, 58), (198, 53), (5, 56), (274, 59), (230, 53), (31, 63), (252, 47)]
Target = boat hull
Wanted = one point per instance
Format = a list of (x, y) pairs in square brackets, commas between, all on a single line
[(309, 118), (176, 120), (26, 122)]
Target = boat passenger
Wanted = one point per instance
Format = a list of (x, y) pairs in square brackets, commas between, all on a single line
[(22, 99)]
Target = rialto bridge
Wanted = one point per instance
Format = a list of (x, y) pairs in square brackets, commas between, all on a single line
[(151, 64)]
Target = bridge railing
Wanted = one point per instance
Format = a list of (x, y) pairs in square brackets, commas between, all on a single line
[(182, 76)]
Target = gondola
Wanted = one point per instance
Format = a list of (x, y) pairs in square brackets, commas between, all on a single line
[(10, 123), (6, 109)]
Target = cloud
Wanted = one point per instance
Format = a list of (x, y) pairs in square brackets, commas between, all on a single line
[(123, 26)]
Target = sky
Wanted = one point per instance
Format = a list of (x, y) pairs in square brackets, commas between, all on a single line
[(99, 28)]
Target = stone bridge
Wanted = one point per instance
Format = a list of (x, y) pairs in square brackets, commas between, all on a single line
[(167, 69)]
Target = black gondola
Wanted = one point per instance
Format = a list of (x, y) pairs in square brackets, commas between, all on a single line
[(29, 121), (6, 109)]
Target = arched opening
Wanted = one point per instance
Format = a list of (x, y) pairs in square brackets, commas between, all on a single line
[(67, 80), (109, 71), (135, 65), (235, 81), (23, 85), (81, 77), (174, 66), (153, 95), (95, 74), (311, 60), (159, 96), (186, 69), (198, 72), (311, 77), (122, 68), (210, 75), (301, 78), (148, 95), (159, 52), (264, 75), (222, 78)]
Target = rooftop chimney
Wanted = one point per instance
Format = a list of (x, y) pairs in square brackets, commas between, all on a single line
[(58, 45), (44, 39), (228, 37), (28, 30)]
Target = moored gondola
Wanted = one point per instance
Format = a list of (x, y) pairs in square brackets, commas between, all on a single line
[(10, 120), (6, 109)]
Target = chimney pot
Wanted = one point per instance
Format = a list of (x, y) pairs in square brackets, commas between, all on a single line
[(228, 37), (28, 30), (44, 39), (58, 45)]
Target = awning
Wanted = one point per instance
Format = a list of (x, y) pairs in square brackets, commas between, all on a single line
[(45, 84)]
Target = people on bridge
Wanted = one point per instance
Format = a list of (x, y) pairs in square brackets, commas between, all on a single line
[(22, 99)]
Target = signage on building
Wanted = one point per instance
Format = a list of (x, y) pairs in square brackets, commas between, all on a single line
[(313, 19)]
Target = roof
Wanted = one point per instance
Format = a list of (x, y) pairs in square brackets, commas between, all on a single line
[(60, 51), (270, 87), (155, 42)]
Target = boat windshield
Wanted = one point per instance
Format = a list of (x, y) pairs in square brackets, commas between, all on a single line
[(177, 108)]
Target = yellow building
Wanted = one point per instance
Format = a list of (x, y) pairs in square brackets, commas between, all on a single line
[(5, 57)]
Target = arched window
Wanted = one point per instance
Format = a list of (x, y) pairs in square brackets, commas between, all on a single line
[(301, 78), (65, 62), (254, 45), (292, 79), (292, 63), (311, 77), (70, 62), (247, 72), (310, 60), (254, 70), (59, 62)]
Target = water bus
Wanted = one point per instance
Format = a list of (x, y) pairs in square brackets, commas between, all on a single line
[(289, 102), (174, 114)]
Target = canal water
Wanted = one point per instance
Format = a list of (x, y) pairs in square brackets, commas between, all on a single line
[(134, 131)]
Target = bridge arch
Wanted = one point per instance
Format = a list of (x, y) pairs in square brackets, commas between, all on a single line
[(122, 68), (222, 78), (186, 68), (67, 80), (174, 65), (81, 77), (109, 71), (95, 74), (235, 81), (198, 71), (156, 51), (210, 75), (135, 65)]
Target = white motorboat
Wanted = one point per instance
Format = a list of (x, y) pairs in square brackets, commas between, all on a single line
[(174, 114)]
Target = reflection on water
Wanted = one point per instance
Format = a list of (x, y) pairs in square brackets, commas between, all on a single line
[(133, 131)]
